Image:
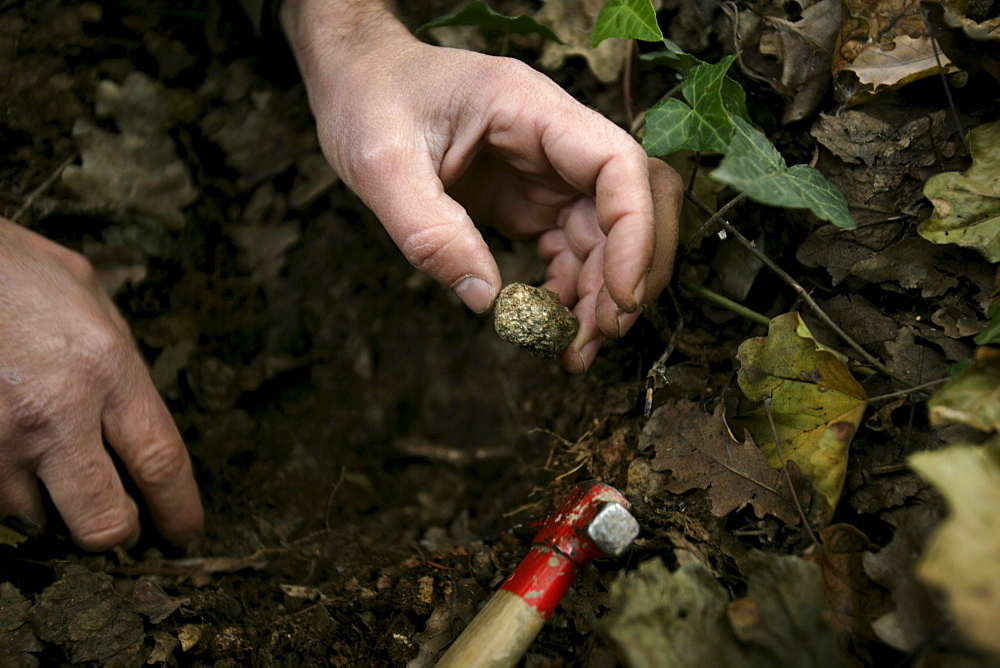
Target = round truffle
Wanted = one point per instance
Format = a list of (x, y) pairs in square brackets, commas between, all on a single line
[(534, 319)]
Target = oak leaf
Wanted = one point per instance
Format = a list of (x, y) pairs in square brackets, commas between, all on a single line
[(700, 452)]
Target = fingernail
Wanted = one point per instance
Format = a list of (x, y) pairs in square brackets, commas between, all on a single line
[(640, 291), (626, 320), (474, 292)]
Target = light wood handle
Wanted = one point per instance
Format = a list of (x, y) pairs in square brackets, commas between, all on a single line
[(498, 636)]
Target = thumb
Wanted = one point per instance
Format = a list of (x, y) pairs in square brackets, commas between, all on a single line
[(434, 231)]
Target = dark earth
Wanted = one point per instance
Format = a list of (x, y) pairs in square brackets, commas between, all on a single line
[(371, 455)]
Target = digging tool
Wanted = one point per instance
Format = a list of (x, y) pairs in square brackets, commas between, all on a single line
[(593, 521)]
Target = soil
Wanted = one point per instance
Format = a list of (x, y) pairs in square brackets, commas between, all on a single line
[(371, 455)]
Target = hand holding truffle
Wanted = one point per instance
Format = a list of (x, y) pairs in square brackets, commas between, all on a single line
[(433, 139)]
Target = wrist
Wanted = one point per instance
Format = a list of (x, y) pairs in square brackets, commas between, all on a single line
[(327, 34)]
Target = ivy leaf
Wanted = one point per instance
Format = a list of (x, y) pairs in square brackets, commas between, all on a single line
[(991, 333), (754, 166), (966, 204), (492, 24), (626, 19), (675, 56), (972, 397), (816, 404), (705, 125)]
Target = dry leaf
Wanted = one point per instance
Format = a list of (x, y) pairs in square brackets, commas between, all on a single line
[(972, 397), (962, 557), (916, 617), (685, 618), (793, 57), (852, 599), (966, 204), (700, 451), (137, 169), (882, 44), (573, 21)]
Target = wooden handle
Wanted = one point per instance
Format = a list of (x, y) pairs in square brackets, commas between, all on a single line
[(498, 636)]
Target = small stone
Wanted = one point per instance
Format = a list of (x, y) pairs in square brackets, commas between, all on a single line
[(534, 319)]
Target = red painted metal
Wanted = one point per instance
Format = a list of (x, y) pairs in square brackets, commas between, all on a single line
[(561, 549)]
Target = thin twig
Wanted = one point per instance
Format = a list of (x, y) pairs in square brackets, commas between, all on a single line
[(46, 184), (630, 47), (333, 493), (712, 219), (910, 390), (726, 303), (659, 368), (696, 161), (788, 477), (944, 82), (806, 297)]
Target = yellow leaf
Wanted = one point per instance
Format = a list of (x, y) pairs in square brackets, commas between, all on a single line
[(962, 557), (967, 204), (972, 397), (815, 402)]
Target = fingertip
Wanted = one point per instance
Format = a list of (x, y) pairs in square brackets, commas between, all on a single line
[(577, 360), (117, 527), (475, 293)]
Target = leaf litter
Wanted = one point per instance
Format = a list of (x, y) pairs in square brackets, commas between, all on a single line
[(298, 351)]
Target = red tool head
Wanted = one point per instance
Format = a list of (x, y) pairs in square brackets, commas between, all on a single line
[(592, 521)]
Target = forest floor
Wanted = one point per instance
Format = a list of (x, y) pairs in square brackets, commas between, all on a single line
[(371, 455)]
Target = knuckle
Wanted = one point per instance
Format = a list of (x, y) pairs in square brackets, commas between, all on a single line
[(105, 530), (78, 265), (30, 412), (159, 463), (426, 247), (373, 161), (107, 517)]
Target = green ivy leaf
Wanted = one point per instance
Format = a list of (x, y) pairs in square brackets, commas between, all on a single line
[(706, 125), (991, 333), (675, 56), (626, 19), (753, 165), (492, 24)]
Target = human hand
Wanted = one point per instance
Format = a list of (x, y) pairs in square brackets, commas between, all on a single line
[(433, 138), (70, 379)]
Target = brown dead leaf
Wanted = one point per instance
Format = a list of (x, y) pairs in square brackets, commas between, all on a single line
[(137, 169), (882, 44), (259, 136), (971, 46), (852, 599), (793, 57), (877, 155), (573, 21), (692, 28), (262, 236), (917, 617), (913, 263), (916, 362), (148, 598), (700, 452), (84, 614), (17, 640)]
